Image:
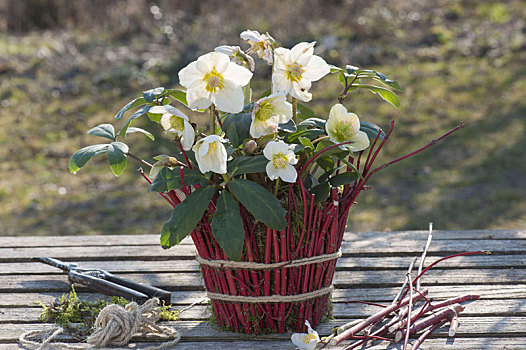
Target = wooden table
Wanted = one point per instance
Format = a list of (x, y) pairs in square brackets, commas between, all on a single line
[(372, 269)]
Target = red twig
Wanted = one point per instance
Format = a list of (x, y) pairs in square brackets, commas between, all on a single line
[(417, 151)]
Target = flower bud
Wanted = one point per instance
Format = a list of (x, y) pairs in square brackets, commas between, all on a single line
[(250, 147)]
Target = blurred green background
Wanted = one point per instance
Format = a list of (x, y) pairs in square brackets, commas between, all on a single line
[(66, 66)]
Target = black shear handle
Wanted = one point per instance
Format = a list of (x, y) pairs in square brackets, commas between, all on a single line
[(150, 291), (106, 287)]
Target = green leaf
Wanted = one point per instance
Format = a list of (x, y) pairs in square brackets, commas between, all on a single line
[(133, 129), (371, 130), (343, 179), (306, 142), (313, 123), (247, 165), (117, 157), (237, 127), (320, 192), (152, 94), (170, 179), (334, 69), (351, 69), (155, 117), (139, 113), (227, 226), (288, 126), (305, 112), (326, 163), (132, 104), (384, 93), (311, 134), (185, 216), (81, 157), (393, 84), (259, 202), (179, 95), (103, 130)]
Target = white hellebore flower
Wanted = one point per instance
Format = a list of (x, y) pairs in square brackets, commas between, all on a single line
[(306, 341), (237, 56), (282, 159), (343, 127), (214, 79), (210, 154), (175, 121), (268, 112), (296, 69), (260, 44)]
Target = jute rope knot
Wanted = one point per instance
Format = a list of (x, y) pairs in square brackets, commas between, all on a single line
[(115, 326)]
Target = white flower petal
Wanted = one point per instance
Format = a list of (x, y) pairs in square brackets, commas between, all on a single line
[(189, 75), (198, 97), (173, 111), (302, 49), (230, 99), (272, 172), (300, 90), (216, 60), (251, 35), (316, 69), (157, 110), (202, 66), (297, 339), (262, 128), (288, 174), (237, 75), (360, 142), (281, 58), (187, 140), (228, 50)]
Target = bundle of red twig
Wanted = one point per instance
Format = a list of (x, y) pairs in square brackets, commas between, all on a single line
[(411, 313)]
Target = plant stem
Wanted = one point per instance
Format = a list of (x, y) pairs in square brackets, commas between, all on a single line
[(424, 253), (212, 119), (320, 139), (276, 187), (142, 161), (295, 110), (409, 309)]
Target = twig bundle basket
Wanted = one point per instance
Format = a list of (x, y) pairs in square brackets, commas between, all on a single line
[(281, 283)]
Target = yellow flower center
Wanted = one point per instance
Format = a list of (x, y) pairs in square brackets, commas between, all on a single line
[(279, 161), (294, 72), (214, 81), (211, 148), (343, 131), (308, 337), (264, 112), (177, 123)]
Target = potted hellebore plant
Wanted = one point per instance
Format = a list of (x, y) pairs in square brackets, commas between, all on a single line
[(266, 194)]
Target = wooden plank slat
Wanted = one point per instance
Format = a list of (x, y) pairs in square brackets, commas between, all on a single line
[(498, 293), (343, 279), (344, 263), (200, 331), (153, 239), (477, 308), (391, 247)]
